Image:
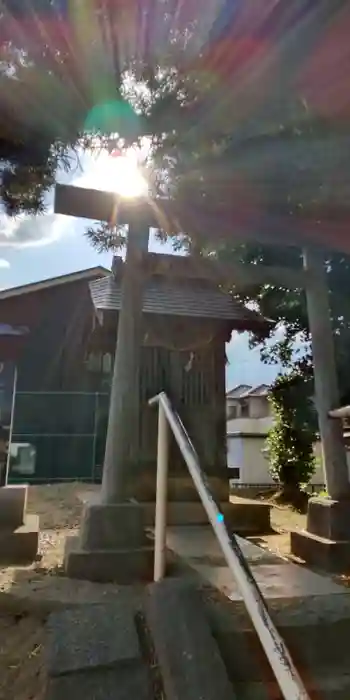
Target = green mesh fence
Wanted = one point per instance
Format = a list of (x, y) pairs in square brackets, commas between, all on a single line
[(67, 431)]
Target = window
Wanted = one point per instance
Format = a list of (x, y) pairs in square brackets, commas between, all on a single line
[(245, 409), (107, 363), (232, 411), (93, 362), (96, 362), (22, 458), (235, 473)]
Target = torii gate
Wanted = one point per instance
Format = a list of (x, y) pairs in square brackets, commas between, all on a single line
[(140, 216)]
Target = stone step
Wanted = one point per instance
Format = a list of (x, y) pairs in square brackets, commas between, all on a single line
[(181, 640), (13, 505), (124, 566), (19, 546), (279, 580), (242, 516), (196, 661), (188, 656), (317, 634), (329, 555), (318, 651), (311, 612), (199, 544)]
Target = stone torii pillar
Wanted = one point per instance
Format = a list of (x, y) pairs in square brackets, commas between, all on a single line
[(326, 541), (325, 376), (113, 545)]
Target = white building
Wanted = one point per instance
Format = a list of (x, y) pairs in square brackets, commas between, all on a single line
[(248, 422), (249, 418)]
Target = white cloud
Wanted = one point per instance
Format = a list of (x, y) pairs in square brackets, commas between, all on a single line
[(28, 231), (4, 264)]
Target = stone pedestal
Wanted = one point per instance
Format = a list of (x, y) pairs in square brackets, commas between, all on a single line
[(19, 532), (326, 541), (181, 488), (185, 507), (112, 546), (241, 515)]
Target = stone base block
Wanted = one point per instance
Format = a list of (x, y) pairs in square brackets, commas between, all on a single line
[(20, 546), (124, 566), (113, 526), (329, 519), (180, 487), (330, 555), (13, 503), (244, 517)]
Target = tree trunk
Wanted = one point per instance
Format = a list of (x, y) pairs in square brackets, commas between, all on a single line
[(123, 419)]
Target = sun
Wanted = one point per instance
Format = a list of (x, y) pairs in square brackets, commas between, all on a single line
[(120, 173)]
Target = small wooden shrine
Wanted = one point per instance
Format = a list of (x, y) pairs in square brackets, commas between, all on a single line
[(188, 320)]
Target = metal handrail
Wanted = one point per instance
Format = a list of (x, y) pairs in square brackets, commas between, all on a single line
[(342, 412), (274, 646)]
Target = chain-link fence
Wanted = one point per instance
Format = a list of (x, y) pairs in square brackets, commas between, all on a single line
[(58, 436)]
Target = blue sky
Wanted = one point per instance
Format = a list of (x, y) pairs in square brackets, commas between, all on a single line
[(35, 248)]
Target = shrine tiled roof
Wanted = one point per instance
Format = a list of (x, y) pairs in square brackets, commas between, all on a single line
[(193, 298)]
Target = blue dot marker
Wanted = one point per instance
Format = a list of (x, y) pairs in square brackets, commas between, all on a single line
[(220, 518)]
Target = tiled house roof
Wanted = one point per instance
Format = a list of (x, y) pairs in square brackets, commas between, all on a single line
[(194, 298), (238, 391), (244, 391)]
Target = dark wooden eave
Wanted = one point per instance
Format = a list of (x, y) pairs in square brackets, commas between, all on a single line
[(177, 295)]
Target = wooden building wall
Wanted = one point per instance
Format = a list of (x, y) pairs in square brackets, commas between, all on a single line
[(69, 429), (197, 393), (53, 354), (55, 403)]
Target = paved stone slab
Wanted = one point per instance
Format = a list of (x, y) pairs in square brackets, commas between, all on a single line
[(105, 684), (201, 545), (187, 653), (13, 502), (20, 546), (276, 581), (277, 578), (91, 636)]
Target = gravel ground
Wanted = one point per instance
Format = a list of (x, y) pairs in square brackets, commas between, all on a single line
[(22, 648), (27, 594), (42, 585)]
